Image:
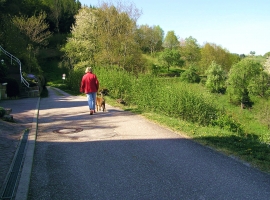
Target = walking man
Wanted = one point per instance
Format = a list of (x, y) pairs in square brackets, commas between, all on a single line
[(89, 86)]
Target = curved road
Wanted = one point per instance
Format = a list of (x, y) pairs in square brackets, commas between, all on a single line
[(119, 155)]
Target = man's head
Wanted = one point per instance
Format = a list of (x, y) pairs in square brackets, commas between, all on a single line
[(88, 69)]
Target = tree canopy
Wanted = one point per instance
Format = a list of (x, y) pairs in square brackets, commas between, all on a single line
[(171, 41), (104, 35), (239, 79), (190, 51)]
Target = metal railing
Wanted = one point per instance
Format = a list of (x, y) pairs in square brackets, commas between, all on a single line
[(19, 63)]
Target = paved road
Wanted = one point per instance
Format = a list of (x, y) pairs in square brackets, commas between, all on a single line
[(119, 155)]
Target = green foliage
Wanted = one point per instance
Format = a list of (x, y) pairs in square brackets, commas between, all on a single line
[(74, 78), (226, 122), (213, 52), (170, 41), (215, 81), (239, 79), (190, 51), (34, 28), (150, 38), (104, 36), (167, 96), (260, 85), (190, 75), (170, 57), (117, 81), (82, 45), (266, 55)]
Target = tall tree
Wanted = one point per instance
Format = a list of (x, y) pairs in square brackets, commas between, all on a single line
[(171, 40), (36, 32), (61, 13), (213, 52), (35, 28), (116, 27), (150, 38), (190, 51), (239, 79), (157, 39), (82, 46), (105, 35), (260, 85), (216, 78)]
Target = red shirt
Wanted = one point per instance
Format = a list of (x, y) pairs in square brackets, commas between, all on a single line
[(89, 83)]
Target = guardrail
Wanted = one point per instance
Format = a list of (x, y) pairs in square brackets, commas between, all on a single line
[(19, 63)]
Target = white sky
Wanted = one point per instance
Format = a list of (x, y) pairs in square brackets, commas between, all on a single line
[(239, 26)]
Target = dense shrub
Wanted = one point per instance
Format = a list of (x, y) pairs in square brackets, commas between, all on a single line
[(215, 78), (168, 96), (74, 79), (226, 122), (190, 75)]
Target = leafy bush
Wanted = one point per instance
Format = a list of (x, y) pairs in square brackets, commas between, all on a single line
[(240, 77), (190, 75), (226, 122), (215, 78), (168, 96)]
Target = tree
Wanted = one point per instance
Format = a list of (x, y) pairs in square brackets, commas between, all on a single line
[(83, 45), (105, 35), (116, 36), (216, 78), (150, 38), (157, 39), (259, 84), (36, 32), (213, 52), (170, 57), (190, 51), (171, 41), (35, 28), (239, 79), (61, 12)]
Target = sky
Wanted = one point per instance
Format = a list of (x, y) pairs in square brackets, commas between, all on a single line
[(240, 26)]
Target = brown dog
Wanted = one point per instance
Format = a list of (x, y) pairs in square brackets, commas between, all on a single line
[(100, 103)]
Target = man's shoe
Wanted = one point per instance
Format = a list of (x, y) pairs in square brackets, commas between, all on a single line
[(91, 112)]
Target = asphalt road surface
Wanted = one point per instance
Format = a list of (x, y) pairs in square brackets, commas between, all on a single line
[(119, 155)]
